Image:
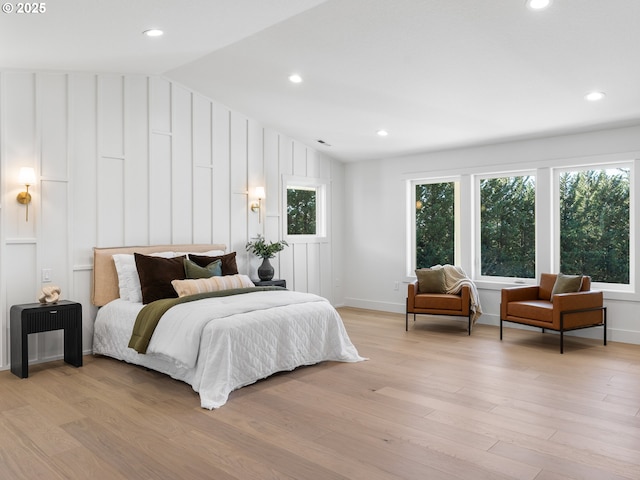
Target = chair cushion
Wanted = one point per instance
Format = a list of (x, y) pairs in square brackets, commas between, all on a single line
[(541, 310), (438, 301), (567, 284), (430, 281)]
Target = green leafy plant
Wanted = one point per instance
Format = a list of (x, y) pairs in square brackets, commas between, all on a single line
[(262, 249)]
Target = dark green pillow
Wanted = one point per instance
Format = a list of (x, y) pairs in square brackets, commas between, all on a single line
[(567, 284), (193, 270), (431, 281)]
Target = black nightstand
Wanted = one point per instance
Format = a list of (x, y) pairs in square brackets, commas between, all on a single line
[(38, 317), (271, 283)]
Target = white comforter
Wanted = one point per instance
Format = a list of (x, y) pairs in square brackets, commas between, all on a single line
[(220, 344)]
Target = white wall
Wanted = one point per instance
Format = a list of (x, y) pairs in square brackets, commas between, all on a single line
[(137, 160), (376, 225)]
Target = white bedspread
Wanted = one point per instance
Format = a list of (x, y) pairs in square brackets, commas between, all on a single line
[(220, 344)]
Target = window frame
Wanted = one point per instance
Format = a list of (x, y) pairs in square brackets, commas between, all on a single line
[(411, 219), (477, 218), (630, 164), (321, 187)]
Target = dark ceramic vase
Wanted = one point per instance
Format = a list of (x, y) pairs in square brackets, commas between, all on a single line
[(265, 271)]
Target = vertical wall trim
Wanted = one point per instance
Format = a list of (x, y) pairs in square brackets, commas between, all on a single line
[(193, 165), (246, 183), (69, 185), (229, 153), (98, 152), (4, 352), (125, 190), (171, 158)]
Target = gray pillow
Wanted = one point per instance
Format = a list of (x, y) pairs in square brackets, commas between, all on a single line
[(430, 281), (567, 284)]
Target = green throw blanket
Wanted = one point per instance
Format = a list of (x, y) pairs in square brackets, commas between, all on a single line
[(149, 316)]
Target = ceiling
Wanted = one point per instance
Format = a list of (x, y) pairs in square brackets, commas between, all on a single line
[(435, 74)]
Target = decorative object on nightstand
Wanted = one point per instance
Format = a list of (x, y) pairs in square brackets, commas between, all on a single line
[(37, 317), (271, 283), (49, 294), (265, 250)]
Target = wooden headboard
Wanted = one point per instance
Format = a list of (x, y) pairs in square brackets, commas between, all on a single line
[(105, 279)]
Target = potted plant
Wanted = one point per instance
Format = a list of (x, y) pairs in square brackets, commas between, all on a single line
[(261, 248)]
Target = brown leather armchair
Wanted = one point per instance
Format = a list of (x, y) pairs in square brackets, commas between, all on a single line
[(438, 304), (533, 305)]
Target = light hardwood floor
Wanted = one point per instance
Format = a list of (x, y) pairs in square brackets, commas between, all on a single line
[(431, 403)]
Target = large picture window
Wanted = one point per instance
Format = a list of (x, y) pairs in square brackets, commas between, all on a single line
[(435, 223), (508, 226), (594, 219)]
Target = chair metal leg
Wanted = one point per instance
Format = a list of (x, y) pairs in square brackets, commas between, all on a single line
[(561, 332), (406, 316), (604, 335), (500, 328)]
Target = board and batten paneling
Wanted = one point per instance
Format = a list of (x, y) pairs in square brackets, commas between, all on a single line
[(181, 167), (135, 160)]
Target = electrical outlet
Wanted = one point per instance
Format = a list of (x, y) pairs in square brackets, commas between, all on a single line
[(46, 275)]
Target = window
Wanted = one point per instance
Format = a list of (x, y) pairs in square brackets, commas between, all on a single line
[(594, 223), (301, 210), (305, 204), (507, 226), (435, 223)]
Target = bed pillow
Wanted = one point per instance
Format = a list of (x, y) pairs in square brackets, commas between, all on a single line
[(567, 284), (125, 267), (193, 270), (210, 253), (156, 274), (229, 266), (211, 284), (430, 280), (128, 280)]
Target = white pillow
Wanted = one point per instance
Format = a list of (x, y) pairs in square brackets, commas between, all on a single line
[(124, 263), (210, 253), (212, 284)]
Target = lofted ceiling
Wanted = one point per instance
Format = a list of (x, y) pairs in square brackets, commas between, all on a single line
[(435, 74)]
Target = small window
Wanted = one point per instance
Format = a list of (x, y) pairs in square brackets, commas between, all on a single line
[(305, 206), (301, 210)]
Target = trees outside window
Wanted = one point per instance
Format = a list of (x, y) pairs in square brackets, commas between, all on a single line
[(301, 210), (507, 227), (434, 224), (595, 224)]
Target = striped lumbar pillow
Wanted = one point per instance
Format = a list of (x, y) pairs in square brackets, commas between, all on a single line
[(212, 284)]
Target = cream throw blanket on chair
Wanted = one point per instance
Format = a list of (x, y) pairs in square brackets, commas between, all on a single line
[(454, 279)]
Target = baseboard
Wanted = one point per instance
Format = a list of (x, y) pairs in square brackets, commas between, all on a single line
[(380, 306)]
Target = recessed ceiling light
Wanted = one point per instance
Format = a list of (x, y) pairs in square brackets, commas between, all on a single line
[(538, 4), (382, 133), (154, 32), (594, 96), (295, 78)]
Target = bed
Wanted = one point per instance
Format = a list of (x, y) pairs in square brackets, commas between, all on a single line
[(218, 343)]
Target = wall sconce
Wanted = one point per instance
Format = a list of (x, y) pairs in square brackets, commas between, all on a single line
[(26, 177), (257, 206)]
